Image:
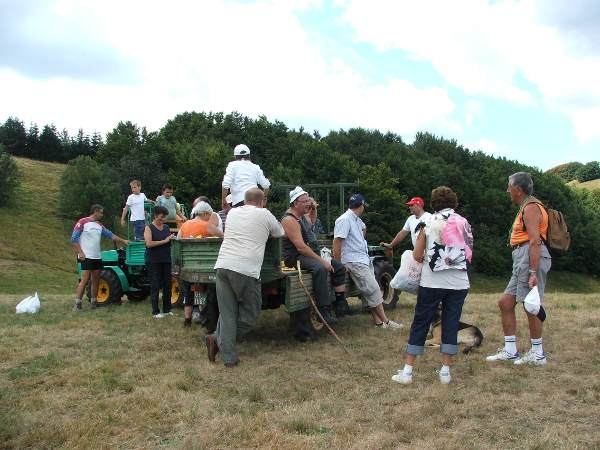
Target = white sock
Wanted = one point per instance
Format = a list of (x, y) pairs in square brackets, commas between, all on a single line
[(445, 369), (536, 346), (77, 300), (94, 299), (510, 344), (407, 369)]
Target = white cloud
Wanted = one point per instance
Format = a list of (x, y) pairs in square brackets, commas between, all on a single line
[(483, 48), (255, 58)]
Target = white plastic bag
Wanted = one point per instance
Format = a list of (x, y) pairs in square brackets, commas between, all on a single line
[(409, 274), (326, 254), (532, 301), (29, 305)]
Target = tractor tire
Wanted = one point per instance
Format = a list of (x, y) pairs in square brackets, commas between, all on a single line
[(176, 292), (109, 288), (384, 272), (211, 310), (306, 325)]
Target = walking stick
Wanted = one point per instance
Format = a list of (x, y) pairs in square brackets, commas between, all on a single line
[(314, 306)]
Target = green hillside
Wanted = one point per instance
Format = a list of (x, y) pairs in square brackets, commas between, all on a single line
[(34, 249), (592, 185)]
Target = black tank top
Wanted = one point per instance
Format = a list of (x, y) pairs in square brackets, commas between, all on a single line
[(161, 253), (290, 252)]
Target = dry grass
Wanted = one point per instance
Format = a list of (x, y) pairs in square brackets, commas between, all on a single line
[(116, 378)]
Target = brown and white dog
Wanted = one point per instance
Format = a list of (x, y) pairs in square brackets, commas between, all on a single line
[(468, 335)]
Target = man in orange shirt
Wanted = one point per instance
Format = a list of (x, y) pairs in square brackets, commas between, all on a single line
[(531, 263), (198, 227)]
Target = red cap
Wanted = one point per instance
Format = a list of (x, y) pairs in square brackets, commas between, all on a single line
[(416, 201)]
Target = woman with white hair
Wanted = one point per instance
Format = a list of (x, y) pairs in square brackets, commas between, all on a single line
[(199, 226)]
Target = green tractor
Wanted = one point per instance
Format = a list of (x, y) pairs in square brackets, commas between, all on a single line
[(124, 272)]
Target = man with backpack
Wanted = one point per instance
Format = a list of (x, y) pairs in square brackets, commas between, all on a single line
[(531, 263)]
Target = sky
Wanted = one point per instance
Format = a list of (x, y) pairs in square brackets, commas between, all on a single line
[(515, 79)]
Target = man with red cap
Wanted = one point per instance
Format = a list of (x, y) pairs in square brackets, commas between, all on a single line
[(416, 205)]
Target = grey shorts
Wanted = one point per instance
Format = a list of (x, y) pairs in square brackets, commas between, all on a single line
[(364, 279), (519, 282)]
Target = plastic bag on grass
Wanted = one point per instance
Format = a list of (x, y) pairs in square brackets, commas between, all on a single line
[(409, 274), (29, 305)]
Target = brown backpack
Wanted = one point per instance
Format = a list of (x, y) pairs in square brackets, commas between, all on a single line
[(558, 237)]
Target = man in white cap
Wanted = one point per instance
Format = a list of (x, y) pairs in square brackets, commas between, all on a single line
[(297, 246), (241, 175), (416, 205)]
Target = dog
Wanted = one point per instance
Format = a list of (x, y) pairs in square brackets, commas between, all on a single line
[(468, 335)]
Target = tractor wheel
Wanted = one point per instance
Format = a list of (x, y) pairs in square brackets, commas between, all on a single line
[(211, 310), (305, 324), (176, 292), (109, 288), (384, 272)]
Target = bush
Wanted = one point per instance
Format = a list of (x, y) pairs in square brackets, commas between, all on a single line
[(589, 171), (10, 177), (85, 182)]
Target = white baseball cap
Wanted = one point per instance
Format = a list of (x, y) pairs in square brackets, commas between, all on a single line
[(297, 192), (241, 150)]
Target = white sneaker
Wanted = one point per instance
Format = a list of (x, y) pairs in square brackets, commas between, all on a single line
[(390, 325), (157, 316), (402, 378), (167, 314), (502, 355), (531, 358), (444, 377)]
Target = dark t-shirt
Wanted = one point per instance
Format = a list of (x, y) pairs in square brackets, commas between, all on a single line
[(160, 253)]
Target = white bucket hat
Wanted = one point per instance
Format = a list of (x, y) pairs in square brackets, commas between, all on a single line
[(297, 192)]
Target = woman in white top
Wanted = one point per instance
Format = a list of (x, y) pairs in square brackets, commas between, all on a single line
[(445, 247)]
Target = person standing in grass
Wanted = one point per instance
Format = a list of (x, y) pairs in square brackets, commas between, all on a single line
[(199, 226), (445, 247), (238, 274), (135, 203), (158, 260), (416, 206), (531, 264), (85, 238)]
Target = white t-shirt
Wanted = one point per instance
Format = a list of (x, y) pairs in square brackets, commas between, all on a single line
[(247, 231), (412, 222), (136, 206), (242, 175), (88, 233)]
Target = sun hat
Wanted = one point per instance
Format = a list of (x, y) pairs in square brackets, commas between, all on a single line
[(296, 192), (241, 150), (356, 201), (416, 201)]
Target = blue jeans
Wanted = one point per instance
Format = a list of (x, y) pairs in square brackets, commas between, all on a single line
[(138, 229), (428, 300)]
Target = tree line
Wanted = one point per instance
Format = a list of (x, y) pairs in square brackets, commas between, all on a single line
[(192, 150)]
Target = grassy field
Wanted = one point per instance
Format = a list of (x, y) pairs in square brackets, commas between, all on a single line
[(116, 378), (592, 185)]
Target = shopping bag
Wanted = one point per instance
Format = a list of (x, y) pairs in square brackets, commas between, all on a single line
[(29, 305), (532, 301), (409, 274)]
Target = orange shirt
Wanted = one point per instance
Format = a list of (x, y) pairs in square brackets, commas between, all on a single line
[(519, 233), (194, 229)]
